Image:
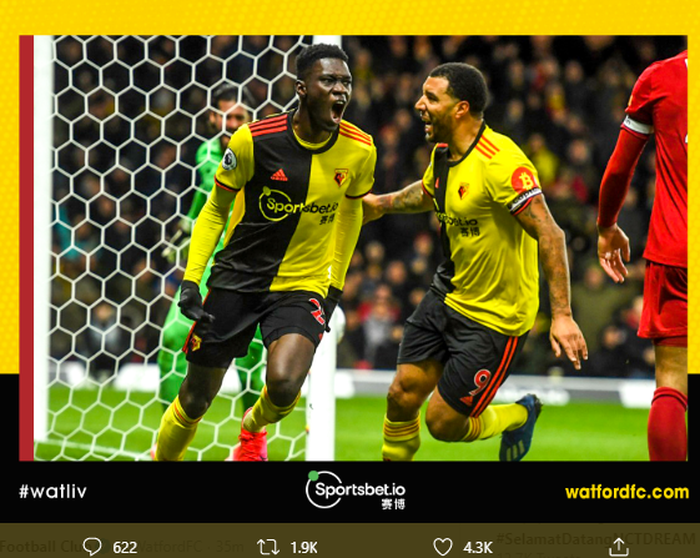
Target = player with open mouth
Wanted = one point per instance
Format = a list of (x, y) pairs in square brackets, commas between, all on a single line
[(273, 271), (460, 343)]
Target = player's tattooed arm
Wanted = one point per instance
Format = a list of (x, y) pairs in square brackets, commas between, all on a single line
[(540, 225), (412, 199), (564, 333)]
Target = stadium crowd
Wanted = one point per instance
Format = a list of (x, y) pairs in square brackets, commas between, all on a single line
[(130, 113)]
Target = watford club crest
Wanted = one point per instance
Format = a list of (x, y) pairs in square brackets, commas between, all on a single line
[(195, 343), (463, 190), (340, 176)]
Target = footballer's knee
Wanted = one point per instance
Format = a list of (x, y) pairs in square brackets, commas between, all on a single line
[(283, 391), (443, 422), (411, 386), (401, 402), (442, 428), (194, 402), (288, 362), (672, 367), (199, 389)]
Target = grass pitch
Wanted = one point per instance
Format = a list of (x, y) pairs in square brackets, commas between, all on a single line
[(112, 425)]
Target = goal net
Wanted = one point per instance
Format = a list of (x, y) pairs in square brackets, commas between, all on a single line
[(127, 115)]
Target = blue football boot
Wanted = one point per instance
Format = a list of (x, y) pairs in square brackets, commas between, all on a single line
[(516, 443)]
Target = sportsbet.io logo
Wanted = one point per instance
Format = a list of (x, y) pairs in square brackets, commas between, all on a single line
[(325, 490), (276, 205)]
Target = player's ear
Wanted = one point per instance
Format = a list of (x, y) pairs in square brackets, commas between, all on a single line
[(300, 88), (462, 109)]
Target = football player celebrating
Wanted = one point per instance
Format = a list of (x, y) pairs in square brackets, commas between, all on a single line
[(469, 329), (226, 116), (301, 175)]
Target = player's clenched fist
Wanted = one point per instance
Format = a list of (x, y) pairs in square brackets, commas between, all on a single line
[(191, 303)]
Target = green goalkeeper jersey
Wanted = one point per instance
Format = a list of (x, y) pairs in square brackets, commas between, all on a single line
[(208, 157)]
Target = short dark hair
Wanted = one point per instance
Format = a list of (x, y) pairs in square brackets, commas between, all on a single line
[(466, 83), (311, 54), (224, 92)]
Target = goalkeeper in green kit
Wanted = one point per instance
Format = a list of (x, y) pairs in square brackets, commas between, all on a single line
[(226, 119)]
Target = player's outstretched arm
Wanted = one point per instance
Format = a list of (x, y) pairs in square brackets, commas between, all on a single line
[(565, 335), (412, 199)]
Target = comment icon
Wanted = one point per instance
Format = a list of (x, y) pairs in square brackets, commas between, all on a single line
[(92, 545)]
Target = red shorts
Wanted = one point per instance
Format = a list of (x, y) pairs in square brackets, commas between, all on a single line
[(665, 314)]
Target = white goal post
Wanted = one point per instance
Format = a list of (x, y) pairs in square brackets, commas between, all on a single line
[(116, 123), (43, 148)]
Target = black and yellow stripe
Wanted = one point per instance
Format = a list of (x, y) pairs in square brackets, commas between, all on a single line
[(293, 194)]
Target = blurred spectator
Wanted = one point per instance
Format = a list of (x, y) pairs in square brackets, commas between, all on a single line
[(514, 122), (397, 279), (104, 343), (634, 220), (577, 89), (595, 304), (351, 349), (638, 352), (609, 359), (388, 351), (586, 178), (622, 353), (537, 357), (379, 316), (545, 161)]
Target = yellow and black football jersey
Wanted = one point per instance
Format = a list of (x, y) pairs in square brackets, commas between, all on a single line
[(292, 191), (490, 273)]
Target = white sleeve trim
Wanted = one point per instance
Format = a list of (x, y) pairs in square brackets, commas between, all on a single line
[(637, 126), (522, 200)]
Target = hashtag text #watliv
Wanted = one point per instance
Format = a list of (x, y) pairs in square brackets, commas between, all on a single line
[(59, 492)]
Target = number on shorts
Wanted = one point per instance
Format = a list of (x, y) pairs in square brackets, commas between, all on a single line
[(318, 313), (481, 380)]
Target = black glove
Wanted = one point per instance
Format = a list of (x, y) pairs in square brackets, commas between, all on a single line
[(332, 300), (191, 303)]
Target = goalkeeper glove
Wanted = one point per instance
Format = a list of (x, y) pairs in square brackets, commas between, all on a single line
[(332, 300), (191, 303), (179, 241)]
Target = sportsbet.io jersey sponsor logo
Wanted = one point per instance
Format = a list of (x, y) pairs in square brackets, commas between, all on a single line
[(325, 490), (455, 220), (276, 205)]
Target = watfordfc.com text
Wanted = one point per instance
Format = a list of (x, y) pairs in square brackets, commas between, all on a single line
[(626, 492)]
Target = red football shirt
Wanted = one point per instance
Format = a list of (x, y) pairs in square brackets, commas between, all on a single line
[(659, 105)]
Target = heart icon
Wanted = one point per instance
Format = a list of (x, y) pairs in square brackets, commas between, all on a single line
[(442, 546)]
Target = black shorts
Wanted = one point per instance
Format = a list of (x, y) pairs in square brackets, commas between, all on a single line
[(237, 315), (476, 359)]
